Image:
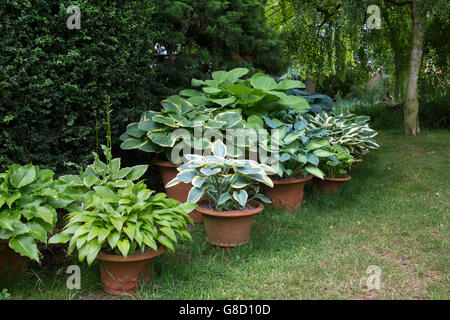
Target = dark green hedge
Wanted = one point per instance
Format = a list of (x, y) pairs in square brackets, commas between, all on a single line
[(53, 80)]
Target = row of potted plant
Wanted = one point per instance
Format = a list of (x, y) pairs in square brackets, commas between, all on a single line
[(115, 219)]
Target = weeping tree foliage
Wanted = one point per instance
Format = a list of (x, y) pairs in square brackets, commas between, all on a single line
[(331, 37)]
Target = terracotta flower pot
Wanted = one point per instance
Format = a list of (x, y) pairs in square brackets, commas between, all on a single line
[(180, 191), (287, 193), (120, 276), (11, 261), (231, 228), (331, 185)]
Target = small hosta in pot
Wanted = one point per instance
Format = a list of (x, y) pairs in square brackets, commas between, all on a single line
[(335, 170), (231, 188), (121, 223)]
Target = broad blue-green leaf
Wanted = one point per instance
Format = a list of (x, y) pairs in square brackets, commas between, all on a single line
[(106, 194), (241, 197), (195, 194), (137, 172), (314, 171)]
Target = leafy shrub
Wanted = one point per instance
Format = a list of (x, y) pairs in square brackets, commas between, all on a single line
[(53, 80)]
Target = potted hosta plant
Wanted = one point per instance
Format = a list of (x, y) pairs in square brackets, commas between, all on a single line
[(231, 189), (336, 170), (27, 212), (174, 128), (124, 226), (295, 156)]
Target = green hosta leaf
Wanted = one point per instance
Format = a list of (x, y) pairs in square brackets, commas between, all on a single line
[(263, 82), (137, 172), (47, 214), (121, 173), (263, 198), (187, 207), (322, 153), (224, 102), (287, 84), (113, 238), (198, 181), (22, 176), (130, 230), (190, 93), (211, 90), (230, 118), (149, 241), (106, 194), (162, 139), (6, 220), (12, 198), (165, 242), (131, 143), (60, 238), (196, 82), (241, 197), (124, 246), (312, 159), (93, 248), (170, 233), (235, 74), (134, 131), (314, 171), (25, 246), (72, 180), (37, 231)]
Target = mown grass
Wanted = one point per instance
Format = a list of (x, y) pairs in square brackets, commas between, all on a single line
[(393, 214)]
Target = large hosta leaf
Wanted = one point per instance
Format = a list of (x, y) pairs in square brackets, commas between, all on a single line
[(22, 176), (25, 246)]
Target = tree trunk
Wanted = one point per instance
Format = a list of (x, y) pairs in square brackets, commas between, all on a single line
[(411, 107), (310, 86)]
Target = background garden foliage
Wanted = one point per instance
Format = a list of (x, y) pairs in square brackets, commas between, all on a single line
[(53, 80)]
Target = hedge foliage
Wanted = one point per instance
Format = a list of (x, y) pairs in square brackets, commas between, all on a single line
[(53, 80)]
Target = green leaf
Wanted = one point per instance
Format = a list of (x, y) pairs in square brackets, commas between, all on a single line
[(6, 220), (315, 171), (131, 143), (241, 197), (37, 231), (106, 194), (113, 238), (162, 139), (124, 246), (22, 176), (224, 197), (287, 84), (60, 238), (263, 82), (137, 172), (165, 242), (169, 232), (47, 214), (25, 246)]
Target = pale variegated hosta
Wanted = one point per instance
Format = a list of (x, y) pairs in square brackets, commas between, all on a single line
[(157, 132), (227, 184), (352, 132), (339, 163)]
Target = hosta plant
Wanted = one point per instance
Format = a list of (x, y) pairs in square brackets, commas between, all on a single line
[(352, 132), (158, 132), (125, 221), (259, 94), (227, 184), (28, 201), (339, 163), (296, 150)]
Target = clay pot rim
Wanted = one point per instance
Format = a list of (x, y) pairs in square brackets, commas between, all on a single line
[(136, 257), (233, 214), (292, 181), (346, 177)]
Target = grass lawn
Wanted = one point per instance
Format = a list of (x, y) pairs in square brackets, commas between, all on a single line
[(394, 214)]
